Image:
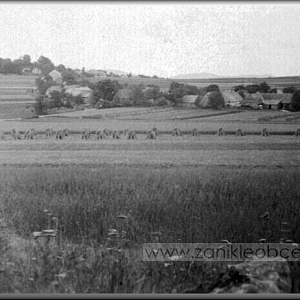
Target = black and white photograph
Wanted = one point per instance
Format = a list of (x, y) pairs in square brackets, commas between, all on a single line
[(149, 148)]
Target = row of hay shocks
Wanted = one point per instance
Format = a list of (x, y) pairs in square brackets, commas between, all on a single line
[(32, 133), (130, 134)]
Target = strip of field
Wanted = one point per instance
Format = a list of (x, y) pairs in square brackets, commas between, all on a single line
[(172, 151), (202, 124), (162, 159)]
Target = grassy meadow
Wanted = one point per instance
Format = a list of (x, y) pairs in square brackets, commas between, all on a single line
[(186, 205), (103, 199)]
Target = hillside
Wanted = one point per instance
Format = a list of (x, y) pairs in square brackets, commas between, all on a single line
[(17, 88), (196, 76)]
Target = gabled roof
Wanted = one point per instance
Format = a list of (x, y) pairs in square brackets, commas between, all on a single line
[(272, 102), (79, 91), (52, 89), (204, 102), (285, 98), (232, 98), (189, 98)]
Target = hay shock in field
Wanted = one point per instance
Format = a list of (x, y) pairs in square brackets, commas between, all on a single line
[(151, 135), (107, 132), (2, 135), (86, 134), (195, 132), (240, 132), (30, 134), (156, 131), (16, 134), (221, 132), (176, 132), (265, 132), (49, 132), (61, 134), (115, 135), (132, 135), (100, 135)]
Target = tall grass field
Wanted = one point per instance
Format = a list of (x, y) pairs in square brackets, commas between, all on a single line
[(101, 213)]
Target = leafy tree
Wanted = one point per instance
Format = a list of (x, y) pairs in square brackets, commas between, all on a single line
[(106, 90), (273, 91), (45, 64), (290, 89), (252, 88), (216, 100), (176, 92), (152, 92), (296, 100), (43, 85), (27, 59), (69, 78), (57, 97), (212, 88), (137, 92), (264, 88), (61, 68), (40, 105), (238, 88)]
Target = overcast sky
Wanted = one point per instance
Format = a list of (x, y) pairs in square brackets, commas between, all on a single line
[(156, 39)]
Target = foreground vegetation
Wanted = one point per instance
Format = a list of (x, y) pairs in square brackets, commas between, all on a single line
[(171, 205)]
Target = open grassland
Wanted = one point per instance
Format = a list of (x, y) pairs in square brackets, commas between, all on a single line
[(231, 122), (206, 204), (105, 198), (165, 151), (223, 83)]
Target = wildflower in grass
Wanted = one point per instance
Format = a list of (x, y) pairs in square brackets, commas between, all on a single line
[(176, 257), (113, 232), (227, 242), (49, 233), (156, 233), (122, 217), (37, 234), (265, 216), (62, 276)]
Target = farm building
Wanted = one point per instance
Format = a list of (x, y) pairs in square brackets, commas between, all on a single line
[(51, 89), (252, 101), (36, 71), (56, 76), (276, 101), (76, 91), (123, 97), (97, 73), (188, 101), (205, 101), (232, 98)]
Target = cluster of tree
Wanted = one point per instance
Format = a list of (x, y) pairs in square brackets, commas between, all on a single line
[(57, 99), (295, 97), (178, 90), (8, 66), (254, 88), (106, 90)]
